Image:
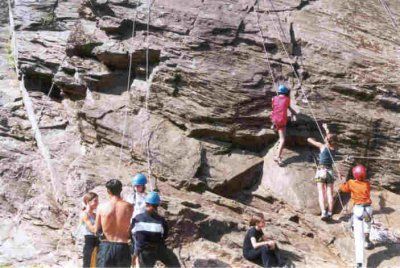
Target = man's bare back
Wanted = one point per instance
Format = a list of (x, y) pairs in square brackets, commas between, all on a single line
[(114, 218)]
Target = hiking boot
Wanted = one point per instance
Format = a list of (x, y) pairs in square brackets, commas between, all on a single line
[(324, 216), (368, 245)]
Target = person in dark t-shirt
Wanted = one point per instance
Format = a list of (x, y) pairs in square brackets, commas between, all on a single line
[(256, 247)]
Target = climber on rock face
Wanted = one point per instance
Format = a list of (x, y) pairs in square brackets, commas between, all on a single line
[(360, 190), (113, 218), (280, 105), (149, 231), (256, 247), (324, 175)]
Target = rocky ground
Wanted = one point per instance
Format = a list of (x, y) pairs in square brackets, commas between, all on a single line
[(207, 122)]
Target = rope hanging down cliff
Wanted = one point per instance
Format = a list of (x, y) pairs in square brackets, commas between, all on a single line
[(128, 85), (304, 94), (54, 178)]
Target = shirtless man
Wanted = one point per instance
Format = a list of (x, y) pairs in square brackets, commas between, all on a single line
[(113, 219)]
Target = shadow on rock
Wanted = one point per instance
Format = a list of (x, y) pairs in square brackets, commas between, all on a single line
[(210, 263), (288, 258), (376, 259)]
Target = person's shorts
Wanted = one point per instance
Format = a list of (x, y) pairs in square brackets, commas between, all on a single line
[(324, 175), (114, 254)]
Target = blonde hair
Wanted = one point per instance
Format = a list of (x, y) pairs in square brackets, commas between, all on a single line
[(87, 198)]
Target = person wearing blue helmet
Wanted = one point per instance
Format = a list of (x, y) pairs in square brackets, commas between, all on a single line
[(280, 105), (139, 182), (149, 230)]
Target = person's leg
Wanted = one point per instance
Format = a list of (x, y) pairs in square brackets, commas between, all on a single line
[(329, 195), (147, 258), (282, 133), (367, 227), (102, 255), (321, 197), (167, 257), (266, 255), (87, 251), (123, 255), (358, 234)]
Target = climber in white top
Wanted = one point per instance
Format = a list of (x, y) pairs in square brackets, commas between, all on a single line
[(139, 194)]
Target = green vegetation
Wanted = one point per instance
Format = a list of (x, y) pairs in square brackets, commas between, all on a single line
[(48, 20)]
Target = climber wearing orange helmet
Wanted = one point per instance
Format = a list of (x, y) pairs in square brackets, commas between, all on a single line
[(360, 190)]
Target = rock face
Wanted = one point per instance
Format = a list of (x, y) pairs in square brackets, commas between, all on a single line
[(187, 102)]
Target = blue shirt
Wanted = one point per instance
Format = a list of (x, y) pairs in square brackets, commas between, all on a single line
[(325, 158)]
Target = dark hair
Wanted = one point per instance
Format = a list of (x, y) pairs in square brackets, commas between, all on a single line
[(87, 198), (256, 219), (331, 138), (114, 187)]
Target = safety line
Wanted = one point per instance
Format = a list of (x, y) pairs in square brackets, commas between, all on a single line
[(308, 104), (389, 12), (128, 86), (56, 185), (264, 47)]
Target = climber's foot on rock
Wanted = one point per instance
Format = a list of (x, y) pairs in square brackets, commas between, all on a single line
[(278, 160)]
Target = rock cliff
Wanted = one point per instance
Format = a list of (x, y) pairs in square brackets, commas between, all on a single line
[(185, 89)]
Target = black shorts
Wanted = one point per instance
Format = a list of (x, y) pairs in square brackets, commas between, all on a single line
[(114, 254)]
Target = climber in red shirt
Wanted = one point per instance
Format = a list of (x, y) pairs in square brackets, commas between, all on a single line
[(280, 105)]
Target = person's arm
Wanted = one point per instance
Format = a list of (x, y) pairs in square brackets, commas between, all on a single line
[(315, 143), (89, 225), (97, 224), (256, 244), (166, 230), (325, 126), (292, 111), (344, 187)]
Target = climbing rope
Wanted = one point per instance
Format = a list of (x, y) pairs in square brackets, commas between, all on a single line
[(306, 99), (389, 13), (54, 177), (128, 85), (148, 84), (350, 158), (264, 47)]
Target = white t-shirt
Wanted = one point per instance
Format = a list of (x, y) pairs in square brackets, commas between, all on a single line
[(138, 200)]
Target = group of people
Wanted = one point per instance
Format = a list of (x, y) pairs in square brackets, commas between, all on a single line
[(358, 186), (123, 233)]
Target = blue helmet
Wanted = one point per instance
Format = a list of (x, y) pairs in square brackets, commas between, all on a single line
[(139, 179), (282, 89), (153, 198)]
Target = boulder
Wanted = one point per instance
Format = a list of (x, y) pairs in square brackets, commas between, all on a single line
[(294, 181)]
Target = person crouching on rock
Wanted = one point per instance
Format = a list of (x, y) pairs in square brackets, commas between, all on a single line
[(113, 218), (360, 190), (324, 175), (257, 248), (87, 223), (149, 231), (280, 105)]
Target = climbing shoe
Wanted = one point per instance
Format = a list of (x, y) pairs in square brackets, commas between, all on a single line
[(368, 245), (324, 217), (359, 265)]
